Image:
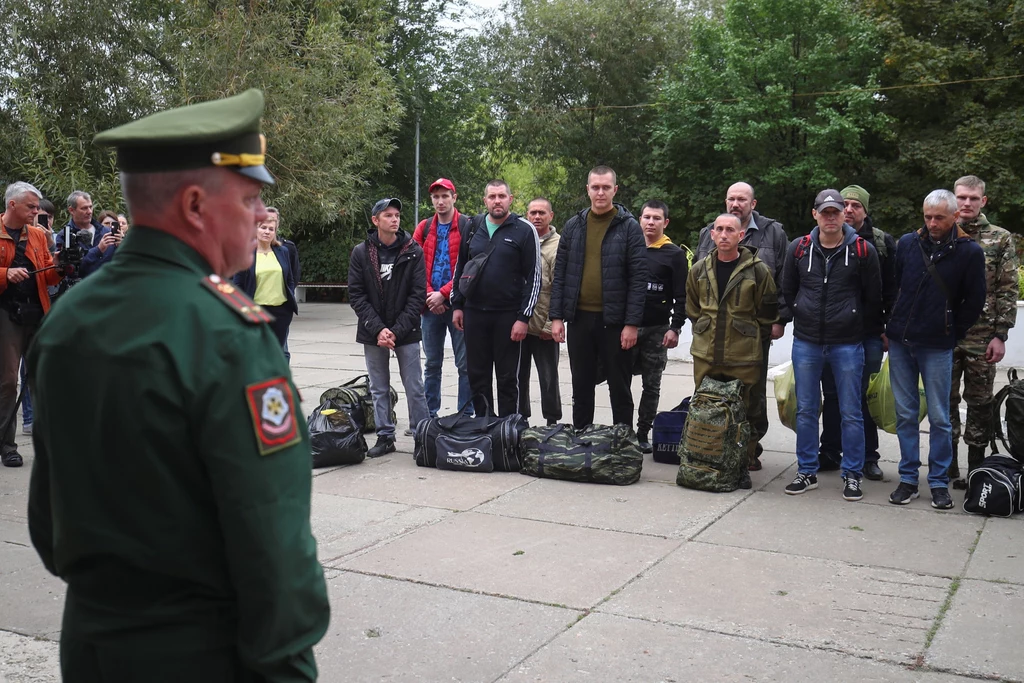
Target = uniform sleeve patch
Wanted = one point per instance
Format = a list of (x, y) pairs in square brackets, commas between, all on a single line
[(272, 406)]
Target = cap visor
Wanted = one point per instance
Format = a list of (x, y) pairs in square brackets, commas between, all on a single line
[(259, 173), (831, 205)]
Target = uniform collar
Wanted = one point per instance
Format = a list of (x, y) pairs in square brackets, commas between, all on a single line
[(157, 244)]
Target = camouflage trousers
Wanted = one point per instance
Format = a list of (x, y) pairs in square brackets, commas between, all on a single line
[(978, 377), (753, 400), (649, 362)]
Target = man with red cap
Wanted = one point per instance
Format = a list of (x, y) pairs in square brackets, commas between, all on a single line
[(440, 236)]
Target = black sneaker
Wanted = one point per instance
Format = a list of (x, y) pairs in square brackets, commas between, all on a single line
[(384, 445), (872, 471), (803, 482), (645, 445), (941, 499), (12, 459), (852, 489), (903, 494)]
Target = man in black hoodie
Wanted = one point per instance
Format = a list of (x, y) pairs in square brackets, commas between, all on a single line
[(600, 286), (387, 287), (496, 315)]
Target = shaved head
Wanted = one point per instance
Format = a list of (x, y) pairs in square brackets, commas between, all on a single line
[(746, 188)]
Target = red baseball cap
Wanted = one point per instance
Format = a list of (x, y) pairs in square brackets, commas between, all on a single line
[(442, 182)]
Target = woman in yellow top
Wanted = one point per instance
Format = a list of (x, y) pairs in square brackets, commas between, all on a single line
[(269, 281)]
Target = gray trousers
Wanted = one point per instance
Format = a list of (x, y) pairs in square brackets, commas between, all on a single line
[(14, 341), (378, 367)]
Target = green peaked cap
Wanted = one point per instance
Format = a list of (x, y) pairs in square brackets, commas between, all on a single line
[(224, 133)]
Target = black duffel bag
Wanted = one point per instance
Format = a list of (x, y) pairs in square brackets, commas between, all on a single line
[(994, 487), (335, 434), (471, 444)]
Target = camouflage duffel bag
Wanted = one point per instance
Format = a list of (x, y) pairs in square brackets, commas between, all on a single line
[(713, 451), (356, 392), (599, 454)]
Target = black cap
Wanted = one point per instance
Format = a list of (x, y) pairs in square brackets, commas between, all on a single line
[(385, 203), (829, 199)]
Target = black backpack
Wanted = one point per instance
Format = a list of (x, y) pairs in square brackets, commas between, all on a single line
[(1013, 396)]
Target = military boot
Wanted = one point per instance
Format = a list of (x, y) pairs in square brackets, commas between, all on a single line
[(954, 469), (975, 454)]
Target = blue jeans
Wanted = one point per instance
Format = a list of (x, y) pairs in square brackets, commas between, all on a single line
[(831, 429), (847, 364), (935, 368), (26, 401), (434, 327)]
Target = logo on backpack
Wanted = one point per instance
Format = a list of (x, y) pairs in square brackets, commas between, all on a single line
[(985, 490), (471, 457)]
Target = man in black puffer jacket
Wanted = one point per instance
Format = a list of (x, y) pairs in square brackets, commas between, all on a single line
[(600, 286), (387, 286)]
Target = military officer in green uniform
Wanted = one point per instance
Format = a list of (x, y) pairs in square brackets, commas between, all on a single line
[(976, 355), (171, 484)]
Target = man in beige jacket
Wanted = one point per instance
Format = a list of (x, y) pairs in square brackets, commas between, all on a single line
[(539, 345)]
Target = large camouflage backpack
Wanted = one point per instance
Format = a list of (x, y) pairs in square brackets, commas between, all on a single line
[(713, 451), (356, 392)]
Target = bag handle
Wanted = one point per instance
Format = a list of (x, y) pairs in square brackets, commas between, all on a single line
[(997, 428), (458, 417), (357, 380)]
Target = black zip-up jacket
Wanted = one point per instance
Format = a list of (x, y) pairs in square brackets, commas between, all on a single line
[(666, 286), (887, 266), (624, 273), (396, 306), (511, 279), (832, 300), (921, 315)]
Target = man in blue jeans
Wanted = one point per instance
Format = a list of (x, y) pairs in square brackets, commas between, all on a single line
[(940, 273), (440, 237), (856, 201), (832, 287)]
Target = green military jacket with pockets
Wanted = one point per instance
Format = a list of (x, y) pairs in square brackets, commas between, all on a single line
[(171, 485), (731, 333), (1001, 285)]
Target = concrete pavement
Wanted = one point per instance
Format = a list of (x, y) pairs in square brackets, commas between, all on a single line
[(449, 576)]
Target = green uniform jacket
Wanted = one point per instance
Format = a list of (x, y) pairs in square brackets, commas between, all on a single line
[(1001, 288), (171, 485), (731, 332)]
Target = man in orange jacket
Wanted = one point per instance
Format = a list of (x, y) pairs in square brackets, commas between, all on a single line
[(26, 269)]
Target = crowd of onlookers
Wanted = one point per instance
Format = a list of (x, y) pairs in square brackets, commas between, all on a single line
[(509, 290)]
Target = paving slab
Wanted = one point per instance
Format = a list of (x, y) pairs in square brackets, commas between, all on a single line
[(14, 489), (16, 555), (983, 632), (31, 599), (397, 479), (929, 542), (343, 526), (27, 659), (1000, 552), (603, 647), (657, 509), (385, 630), (540, 561), (809, 602), (14, 532)]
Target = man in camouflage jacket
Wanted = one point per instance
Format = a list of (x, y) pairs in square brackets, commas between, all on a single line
[(976, 355)]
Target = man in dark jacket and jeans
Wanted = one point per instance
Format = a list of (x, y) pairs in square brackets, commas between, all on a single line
[(940, 273), (600, 287), (387, 288), (833, 290), (496, 315)]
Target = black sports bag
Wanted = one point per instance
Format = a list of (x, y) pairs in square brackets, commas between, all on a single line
[(472, 444)]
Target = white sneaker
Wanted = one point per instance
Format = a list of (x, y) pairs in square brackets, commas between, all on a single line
[(26, 429)]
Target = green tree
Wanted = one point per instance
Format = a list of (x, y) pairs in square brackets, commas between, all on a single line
[(969, 127), (779, 93)]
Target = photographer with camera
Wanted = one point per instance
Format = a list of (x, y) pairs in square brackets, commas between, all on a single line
[(80, 208), (96, 257), (26, 268)]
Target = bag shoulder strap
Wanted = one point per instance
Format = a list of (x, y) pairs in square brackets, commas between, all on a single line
[(997, 403), (934, 273), (801, 247)]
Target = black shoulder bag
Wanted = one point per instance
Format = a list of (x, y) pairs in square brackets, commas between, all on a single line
[(474, 267)]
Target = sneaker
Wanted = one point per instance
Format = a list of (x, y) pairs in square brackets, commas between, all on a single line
[(960, 484), (410, 431), (872, 471), (645, 445), (384, 445), (803, 482), (26, 429), (852, 489), (903, 494), (941, 499), (12, 459)]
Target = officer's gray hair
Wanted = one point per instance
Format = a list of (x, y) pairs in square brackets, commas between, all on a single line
[(18, 190), (938, 198), (75, 196), (970, 181), (152, 192)]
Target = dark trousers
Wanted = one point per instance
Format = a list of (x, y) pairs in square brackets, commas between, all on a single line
[(282, 321), (545, 353), (592, 344), (14, 341), (490, 353), (758, 415)]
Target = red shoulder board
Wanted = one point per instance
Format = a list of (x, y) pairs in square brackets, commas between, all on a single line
[(862, 248), (237, 300), (272, 407)]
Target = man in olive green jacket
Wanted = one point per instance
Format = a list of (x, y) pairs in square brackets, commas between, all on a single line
[(732, 304)]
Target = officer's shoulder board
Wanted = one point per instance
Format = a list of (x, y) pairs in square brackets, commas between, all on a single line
[(237, 300)]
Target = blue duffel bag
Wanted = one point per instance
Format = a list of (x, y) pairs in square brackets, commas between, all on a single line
[(667, 432)]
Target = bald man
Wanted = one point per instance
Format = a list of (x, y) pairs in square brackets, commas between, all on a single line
[(767, 238)]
